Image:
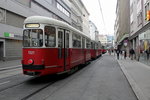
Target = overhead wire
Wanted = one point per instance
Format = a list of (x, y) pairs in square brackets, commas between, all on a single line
[(102, 15)]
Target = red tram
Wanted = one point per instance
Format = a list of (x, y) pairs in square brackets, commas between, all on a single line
[(52, 47)]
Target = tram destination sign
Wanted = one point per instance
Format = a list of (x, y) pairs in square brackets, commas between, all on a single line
[(32, 25)]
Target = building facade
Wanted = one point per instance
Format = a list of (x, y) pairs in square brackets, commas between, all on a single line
[(94, 33), (139, 34), (79, 15), (103, 39), (140, 27), (14, 12), (122, 24), (110, 41)]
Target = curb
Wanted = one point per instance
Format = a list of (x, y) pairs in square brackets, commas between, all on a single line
[(139, 94)]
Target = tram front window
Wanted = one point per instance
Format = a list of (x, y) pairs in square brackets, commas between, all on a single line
[(33, 38)]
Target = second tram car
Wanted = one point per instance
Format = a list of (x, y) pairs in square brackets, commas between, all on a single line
[(94, 50), (51, 47)]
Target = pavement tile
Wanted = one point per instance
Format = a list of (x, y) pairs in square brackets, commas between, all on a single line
[(138, 75)]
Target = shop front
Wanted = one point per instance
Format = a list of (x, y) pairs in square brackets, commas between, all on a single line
[(10, 46), (144, 44)]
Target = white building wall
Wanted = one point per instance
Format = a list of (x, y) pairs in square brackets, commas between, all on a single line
[(93, 31), (80, 15), (85, 17), (103, 39)]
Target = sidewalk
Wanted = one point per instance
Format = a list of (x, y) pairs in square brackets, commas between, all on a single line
[(10, 64), (138, 75), (145, 61)]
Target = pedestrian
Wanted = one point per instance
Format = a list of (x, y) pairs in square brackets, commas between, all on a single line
[(118, 52), (132, 52), (109, 51), (121, 54), (125, 54), (147, 53), (114, 51)]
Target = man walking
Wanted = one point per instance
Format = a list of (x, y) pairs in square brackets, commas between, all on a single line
[(132, 52), (118, 52), (125, 54), (147, 53)]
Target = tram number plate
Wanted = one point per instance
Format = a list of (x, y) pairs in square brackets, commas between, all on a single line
[(30, 73)]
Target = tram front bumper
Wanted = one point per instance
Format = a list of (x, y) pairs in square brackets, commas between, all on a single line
[(33, 67)]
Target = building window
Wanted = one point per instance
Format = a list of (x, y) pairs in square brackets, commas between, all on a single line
[(146, 9), (131, 18), (63, 10), (2, 15), (131, 29), (25, 2), (139, 19), (131, 9)]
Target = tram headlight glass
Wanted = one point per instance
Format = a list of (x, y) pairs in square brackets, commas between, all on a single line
[(30, 61)]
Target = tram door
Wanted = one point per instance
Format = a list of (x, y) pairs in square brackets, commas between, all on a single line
[(63, 45), (83, 49), (66, 46)]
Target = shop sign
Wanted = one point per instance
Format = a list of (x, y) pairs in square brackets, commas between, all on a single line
[(125, 42), (6, 34)]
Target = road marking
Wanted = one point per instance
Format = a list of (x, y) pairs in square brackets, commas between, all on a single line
[(4, 82)]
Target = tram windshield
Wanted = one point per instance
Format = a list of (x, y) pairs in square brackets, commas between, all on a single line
[(33, 38)]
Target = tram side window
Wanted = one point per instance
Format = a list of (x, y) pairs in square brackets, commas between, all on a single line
[(76, 40), (92, 45), (83, 43), (88, 44), (26, 38), (96, 46), (50, 36), (60, 39), (67, 39), (33, 38)]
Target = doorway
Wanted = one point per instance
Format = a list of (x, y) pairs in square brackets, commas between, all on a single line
[(1, 50)]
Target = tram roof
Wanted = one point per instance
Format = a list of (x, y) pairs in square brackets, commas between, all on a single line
[(52, 21)]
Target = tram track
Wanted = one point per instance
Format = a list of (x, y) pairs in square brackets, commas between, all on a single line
[(57, 79), (10, 72), (35, 85), (10, 68), (39, 84), (37, 91), (13, 86)]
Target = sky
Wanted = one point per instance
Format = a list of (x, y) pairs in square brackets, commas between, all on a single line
[(109, 13)]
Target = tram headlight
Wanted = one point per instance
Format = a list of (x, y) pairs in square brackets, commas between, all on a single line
[(30, 61)]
